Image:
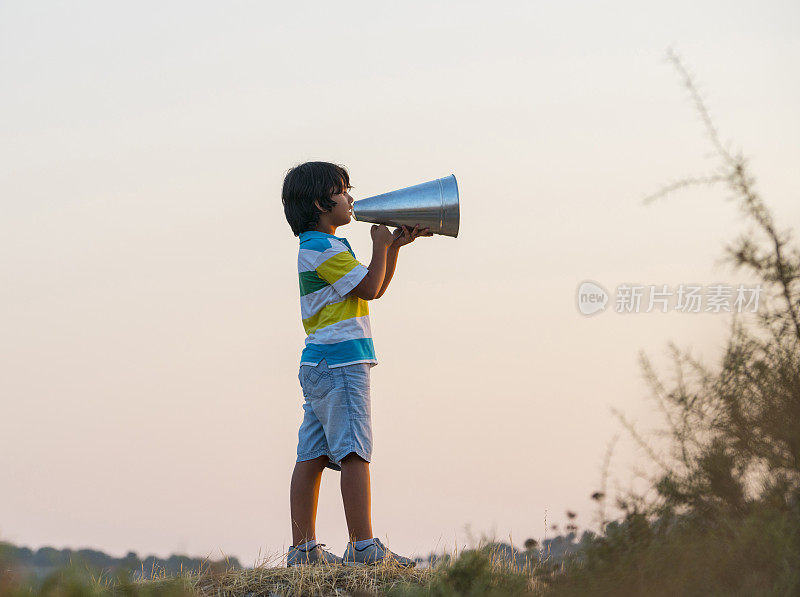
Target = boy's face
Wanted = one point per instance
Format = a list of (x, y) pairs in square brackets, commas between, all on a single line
[(340, 214)]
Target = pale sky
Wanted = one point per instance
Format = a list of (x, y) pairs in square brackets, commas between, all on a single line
[(150, 325)]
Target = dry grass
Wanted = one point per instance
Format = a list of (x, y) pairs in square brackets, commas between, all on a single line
[(274, 578), (310, 580)]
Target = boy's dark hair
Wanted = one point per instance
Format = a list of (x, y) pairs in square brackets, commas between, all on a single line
[(306, 182)]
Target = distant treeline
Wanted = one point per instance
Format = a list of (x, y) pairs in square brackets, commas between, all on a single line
[(551, 551), (45, 560)]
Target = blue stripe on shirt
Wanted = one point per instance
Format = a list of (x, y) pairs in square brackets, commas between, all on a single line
[(339, 353), (315, 244)]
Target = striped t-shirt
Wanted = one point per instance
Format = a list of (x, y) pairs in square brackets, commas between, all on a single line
[(336, 321)]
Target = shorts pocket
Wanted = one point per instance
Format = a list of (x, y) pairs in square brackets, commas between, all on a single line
[(316, 384)]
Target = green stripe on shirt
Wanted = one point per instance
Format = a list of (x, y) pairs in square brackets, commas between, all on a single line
[(311, 282)]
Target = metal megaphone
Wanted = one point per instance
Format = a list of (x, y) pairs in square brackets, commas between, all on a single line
[(431, 204)]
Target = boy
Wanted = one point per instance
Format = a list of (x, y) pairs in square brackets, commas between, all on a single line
[(336, 431)]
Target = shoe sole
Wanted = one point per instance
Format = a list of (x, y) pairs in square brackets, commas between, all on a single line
[(312, 564), (376, 563)]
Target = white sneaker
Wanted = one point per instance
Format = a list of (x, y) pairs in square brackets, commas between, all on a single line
[(312, 555), (372, 554)]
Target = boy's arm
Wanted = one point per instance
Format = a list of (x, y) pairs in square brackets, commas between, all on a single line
[(402, 236), (391, 261), (370, 284)]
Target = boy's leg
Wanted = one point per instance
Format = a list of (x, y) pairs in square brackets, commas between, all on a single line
[(356, 497), (304, 497)]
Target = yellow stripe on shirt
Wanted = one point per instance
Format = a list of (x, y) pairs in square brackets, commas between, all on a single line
[(352, 306), (337, 266)]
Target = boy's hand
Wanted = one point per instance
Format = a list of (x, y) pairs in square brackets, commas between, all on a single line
[(381, 235), (403, 236)]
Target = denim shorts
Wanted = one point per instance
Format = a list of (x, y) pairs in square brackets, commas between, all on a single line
[(337, 416)]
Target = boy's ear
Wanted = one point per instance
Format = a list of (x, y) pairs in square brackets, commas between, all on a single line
[(319, 207)]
